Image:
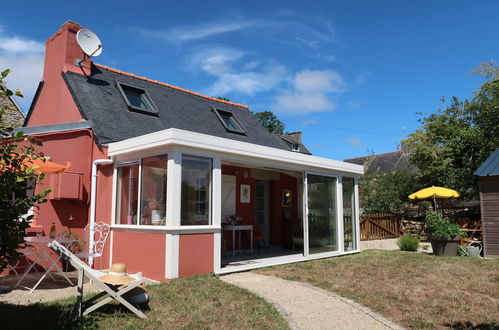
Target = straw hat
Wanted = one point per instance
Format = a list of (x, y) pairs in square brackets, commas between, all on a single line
[(117, 275)]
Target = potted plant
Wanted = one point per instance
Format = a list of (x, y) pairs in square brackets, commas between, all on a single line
[(444, 236)]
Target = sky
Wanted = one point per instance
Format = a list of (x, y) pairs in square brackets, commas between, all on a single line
[(352, 76)]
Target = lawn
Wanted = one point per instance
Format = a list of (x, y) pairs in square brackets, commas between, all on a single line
[(412, 289), (199, 302)]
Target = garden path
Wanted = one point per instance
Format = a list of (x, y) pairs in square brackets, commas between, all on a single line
[(307, 307)]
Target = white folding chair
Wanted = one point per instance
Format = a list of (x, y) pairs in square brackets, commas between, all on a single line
[(95, 250), (84, 270)]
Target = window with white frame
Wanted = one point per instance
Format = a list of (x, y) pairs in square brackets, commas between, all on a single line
[(147, 205), (196, 191)]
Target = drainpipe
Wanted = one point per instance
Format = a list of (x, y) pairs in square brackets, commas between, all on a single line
[(92, 205)]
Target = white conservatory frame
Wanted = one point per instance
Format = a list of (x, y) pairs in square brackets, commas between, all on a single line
[(176, 142)]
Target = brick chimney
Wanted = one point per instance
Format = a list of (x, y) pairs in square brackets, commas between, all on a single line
[(53, 103), (61, 51), (295, 136)]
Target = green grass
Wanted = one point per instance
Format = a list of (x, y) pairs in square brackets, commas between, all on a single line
[(414, 290), (198, 302)]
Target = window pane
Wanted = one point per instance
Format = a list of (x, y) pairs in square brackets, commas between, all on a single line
[(196, 191), (136, 97), (349, 214), (229, 120), (128, 194), (153, 197), (321, 213)]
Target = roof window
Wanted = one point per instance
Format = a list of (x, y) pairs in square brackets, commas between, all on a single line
[(137, 99), (230, 121)]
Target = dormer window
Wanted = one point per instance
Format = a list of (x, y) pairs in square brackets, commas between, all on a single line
[(137, 99), (294, 145), (229, 121)]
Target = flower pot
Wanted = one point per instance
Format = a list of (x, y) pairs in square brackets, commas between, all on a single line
[(445, 247)]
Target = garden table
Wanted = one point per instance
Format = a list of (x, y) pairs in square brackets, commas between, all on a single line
[(239, 228), (45, 259)]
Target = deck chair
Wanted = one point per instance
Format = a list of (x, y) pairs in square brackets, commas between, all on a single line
[(111, 291)]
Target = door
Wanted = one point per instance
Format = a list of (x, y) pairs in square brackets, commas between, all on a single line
[(322, 213), (261, 208), (228, 196)]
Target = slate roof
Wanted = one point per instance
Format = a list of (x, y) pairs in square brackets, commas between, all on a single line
[(387, 162), (100, 101), (490, 166)]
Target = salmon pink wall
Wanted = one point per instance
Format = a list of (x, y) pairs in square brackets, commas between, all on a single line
[(55, 103), (195, 254), (79, 148), (104, 198), (280, 228), (141, 252), (244, 210), (74, 147)]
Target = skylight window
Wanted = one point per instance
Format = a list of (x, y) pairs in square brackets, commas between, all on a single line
[(230, 121), (137, 99)]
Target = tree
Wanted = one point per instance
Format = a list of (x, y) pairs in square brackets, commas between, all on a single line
[(16, 180), (385, 192), (453, 142), (270, 122)]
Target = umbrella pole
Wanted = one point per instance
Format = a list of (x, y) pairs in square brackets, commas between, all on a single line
[(434, 203)]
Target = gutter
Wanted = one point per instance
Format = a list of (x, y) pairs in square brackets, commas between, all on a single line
[(92, 205)]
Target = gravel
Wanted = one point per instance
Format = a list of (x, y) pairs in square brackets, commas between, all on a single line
[(307, 307)]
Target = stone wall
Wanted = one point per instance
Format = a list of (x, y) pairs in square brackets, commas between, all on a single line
[(414, 227)]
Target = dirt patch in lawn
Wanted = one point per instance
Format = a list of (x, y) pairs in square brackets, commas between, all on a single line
[(412, 289), (198, 302)]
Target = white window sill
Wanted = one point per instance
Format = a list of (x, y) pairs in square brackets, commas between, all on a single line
[(165, 229)]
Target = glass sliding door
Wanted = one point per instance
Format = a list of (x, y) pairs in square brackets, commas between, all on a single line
[(349, 215), (322, 211)]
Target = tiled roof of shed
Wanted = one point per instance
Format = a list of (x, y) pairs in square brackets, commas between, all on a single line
[(100, 101)]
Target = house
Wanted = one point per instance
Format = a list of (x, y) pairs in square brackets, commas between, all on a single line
[(186, 181), (386, 162), (488, 180), (13, 115)]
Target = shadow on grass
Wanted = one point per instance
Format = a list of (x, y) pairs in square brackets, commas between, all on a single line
[(470, 326), (58, 315)]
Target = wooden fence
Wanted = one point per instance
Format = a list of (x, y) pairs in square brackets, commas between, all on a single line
[(379, 226)]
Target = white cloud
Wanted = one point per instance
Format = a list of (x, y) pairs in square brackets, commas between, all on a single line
[(24, 58), (215, 61), (25, 73), (320, 81), (180, 34), (302, 103), (249, 82), (355, 142), (18, 45), (224, 63), (312, 91)]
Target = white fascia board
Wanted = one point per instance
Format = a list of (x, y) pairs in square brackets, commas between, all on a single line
[(174, 136)]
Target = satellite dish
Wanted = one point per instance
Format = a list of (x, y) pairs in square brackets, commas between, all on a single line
[(89, 42)]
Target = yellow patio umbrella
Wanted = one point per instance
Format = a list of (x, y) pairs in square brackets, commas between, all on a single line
[(434, 192)]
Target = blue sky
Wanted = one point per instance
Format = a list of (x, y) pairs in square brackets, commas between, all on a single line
[(351, 75)]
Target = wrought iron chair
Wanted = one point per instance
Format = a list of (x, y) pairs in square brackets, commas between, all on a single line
[(101, 232)]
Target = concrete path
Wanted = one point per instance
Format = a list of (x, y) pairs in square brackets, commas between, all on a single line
[(307, 307)]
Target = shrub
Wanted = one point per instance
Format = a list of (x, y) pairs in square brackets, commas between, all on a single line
[(408, 242), (440, 227)]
